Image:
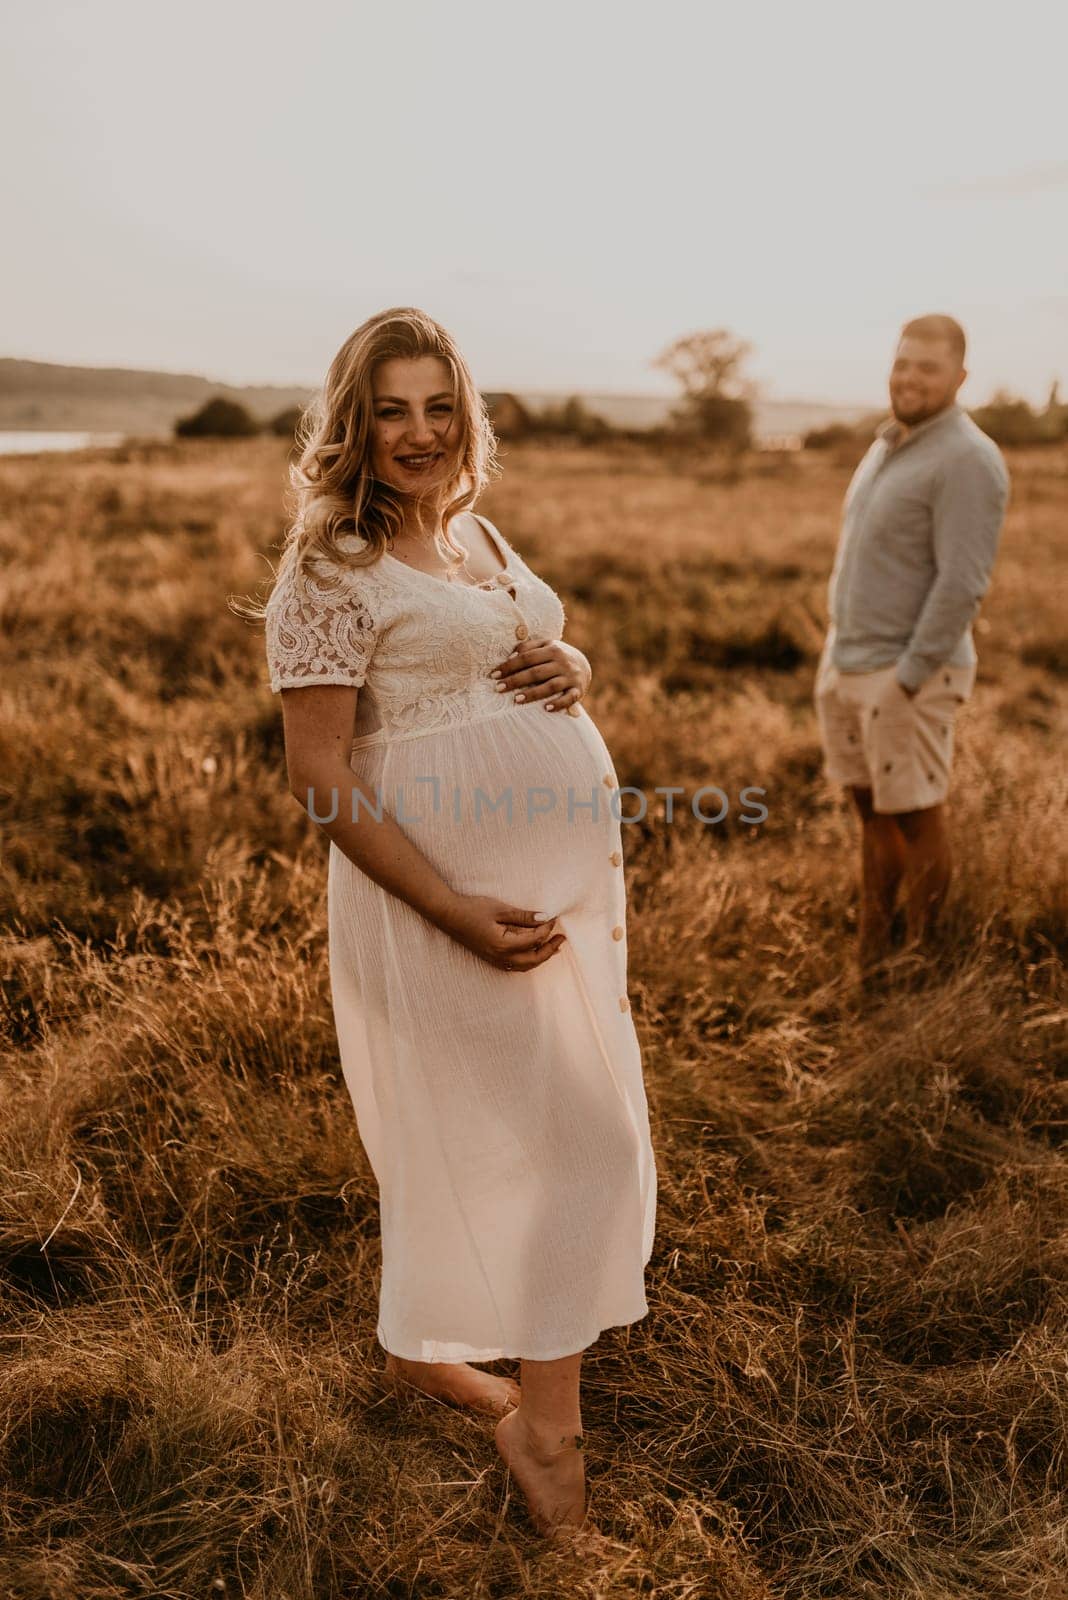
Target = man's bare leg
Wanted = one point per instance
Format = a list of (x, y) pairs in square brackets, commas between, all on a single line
[(883, 866), (929, 867), (541, 1445)]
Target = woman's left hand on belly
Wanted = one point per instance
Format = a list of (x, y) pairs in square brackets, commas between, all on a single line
[(545, 669)]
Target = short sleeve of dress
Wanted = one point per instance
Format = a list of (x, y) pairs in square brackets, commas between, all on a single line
[(318, 630)]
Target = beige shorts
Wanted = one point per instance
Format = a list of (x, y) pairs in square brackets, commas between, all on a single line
[(877, 737)]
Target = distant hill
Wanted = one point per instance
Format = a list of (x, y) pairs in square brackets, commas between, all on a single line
[(42, 396), (38, 395)]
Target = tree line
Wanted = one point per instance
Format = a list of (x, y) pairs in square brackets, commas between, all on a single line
[(715, 408)]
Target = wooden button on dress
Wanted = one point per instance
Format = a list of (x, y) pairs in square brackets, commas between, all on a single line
[(624, 1003), (521, 631), (617, 934), (616, 859)]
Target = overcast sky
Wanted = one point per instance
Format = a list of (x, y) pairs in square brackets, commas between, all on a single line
[(230, 188)]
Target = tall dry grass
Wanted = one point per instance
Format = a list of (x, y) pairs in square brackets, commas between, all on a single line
[(854, 1377)]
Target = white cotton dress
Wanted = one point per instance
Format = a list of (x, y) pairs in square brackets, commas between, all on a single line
[(503, 1113)]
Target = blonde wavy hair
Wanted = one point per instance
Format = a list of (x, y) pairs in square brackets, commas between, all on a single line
[(332, 486)]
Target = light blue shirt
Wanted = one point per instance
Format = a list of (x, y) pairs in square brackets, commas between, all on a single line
[(920, 529)]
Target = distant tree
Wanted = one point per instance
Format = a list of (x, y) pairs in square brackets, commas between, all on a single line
[(285, 424), (1055, 415), (829, 437), (572, 419), (1010, 421), (218, 418), (716, 399), (583, 423), (708, 362)]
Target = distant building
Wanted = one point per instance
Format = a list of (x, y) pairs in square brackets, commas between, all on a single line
[(509, 415)]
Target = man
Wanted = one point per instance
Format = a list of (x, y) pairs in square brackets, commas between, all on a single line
[(920, 528)]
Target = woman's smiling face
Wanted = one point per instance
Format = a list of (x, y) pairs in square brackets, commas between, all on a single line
[(415, 433)]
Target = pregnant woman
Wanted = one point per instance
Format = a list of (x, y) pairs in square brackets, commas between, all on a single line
[(433, 728)]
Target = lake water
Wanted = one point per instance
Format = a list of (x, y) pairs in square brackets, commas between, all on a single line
[(25, 443)]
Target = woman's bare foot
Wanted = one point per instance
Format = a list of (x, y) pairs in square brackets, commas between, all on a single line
[(455, 1382), (551, 1474)]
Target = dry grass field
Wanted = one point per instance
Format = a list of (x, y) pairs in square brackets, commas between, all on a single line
[(854, 1378)]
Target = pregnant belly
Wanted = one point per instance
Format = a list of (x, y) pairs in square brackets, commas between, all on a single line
[(515, 804)]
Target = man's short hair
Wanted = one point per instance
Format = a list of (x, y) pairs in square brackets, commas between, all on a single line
[(937, 326)]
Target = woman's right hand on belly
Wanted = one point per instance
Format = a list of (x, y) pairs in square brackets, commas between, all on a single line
[(504, 935)]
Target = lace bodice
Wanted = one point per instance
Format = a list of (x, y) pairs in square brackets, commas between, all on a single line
[(420, 648)]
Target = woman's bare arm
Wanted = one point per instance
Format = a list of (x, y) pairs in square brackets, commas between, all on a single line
[(319, 724)]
